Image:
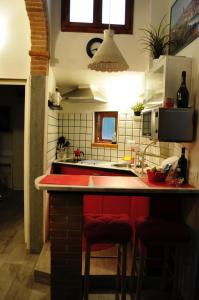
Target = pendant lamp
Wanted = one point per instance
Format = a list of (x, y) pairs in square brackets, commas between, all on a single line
[(108, 57)]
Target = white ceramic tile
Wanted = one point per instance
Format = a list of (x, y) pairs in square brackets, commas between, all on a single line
[(89, 137), (88, 150), (71, 130), (107, 158), (127, 147), (88, 144), (129, 124), (94, 151), (82, 137), (82, 144), (129, 132), (100, 157), (113, 152), (83, 116), (122, 117), (121, 131), (89, 130), (82, 129), (113, 158), (107, 152), (83, 123), (77, 123), (88, 156), (71, 123), (120, 146), (129, 117), (121, 138), (90, 124), (127, 153), (65, 123), (101, 151), (71, 116), (136, 132), (94, 157), (77, 129), (89, 116), (120, 154), (76, 137), (122, 124), (77, 116), (76, 144), (136, 124)]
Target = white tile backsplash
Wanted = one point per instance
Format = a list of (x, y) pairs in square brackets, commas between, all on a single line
[(78, 128)]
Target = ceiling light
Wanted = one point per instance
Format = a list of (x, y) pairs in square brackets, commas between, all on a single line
[(108, 57)]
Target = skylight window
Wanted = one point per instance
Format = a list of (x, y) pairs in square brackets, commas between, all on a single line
[(81, 11), (94, 15), (113, 10)]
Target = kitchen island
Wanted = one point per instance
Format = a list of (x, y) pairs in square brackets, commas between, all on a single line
[(66, 210)]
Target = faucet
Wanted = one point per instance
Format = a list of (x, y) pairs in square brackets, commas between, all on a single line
[(144, 153)]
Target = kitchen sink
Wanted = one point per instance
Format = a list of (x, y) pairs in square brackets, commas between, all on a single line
[(122, 165)]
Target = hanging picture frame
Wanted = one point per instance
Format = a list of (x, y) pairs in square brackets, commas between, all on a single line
[(184, 24)]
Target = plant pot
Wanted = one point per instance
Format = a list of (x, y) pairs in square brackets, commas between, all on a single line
[(137, 113)]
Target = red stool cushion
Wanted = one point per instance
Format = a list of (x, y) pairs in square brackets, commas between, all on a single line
[(160, 230), (109, 228)]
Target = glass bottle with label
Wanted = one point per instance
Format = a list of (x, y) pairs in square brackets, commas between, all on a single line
[(182, 93), (182, 166)]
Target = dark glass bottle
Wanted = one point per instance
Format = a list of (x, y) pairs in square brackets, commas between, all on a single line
[(183, 93), (182, 166)]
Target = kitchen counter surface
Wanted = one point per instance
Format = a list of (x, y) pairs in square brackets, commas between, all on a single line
[(108, 184)]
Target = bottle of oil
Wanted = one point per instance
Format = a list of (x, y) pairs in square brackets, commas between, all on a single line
[(182, 93)]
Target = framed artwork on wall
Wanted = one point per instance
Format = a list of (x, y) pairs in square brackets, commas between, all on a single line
[(184, 24)]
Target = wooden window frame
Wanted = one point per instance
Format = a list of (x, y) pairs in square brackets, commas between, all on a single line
[(98, 125), (97, 25)]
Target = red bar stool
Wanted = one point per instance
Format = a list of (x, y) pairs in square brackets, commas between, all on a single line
[(107, 229), (151, 231)]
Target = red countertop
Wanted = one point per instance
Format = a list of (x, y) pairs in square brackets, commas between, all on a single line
[(107, 184)]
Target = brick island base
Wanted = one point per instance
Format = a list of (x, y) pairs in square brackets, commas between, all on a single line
[(66, 249)]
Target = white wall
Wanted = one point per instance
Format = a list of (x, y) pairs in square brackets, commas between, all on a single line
[(14, 39), (68, 50), (192, 51)]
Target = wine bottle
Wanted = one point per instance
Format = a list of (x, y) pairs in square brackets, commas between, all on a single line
[(182, 166), (183, 93)]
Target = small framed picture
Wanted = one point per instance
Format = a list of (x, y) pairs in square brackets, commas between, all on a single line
[(184, 24)]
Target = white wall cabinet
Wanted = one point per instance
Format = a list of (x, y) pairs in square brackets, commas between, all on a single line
[(163, 79)]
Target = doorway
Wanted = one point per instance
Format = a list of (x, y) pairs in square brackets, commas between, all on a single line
[(12, 104)]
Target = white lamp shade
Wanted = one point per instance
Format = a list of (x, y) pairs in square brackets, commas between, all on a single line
[(108, 57)]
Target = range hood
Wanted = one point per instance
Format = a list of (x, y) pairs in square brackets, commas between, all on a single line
[(83, 94)]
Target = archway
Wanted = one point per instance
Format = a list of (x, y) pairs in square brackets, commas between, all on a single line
[(37, 13)]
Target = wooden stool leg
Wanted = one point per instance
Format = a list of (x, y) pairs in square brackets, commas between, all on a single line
[(87, 271), (118, 272), (140, 273), (123, 279), (164, 276), (176, 274), (133, 268)]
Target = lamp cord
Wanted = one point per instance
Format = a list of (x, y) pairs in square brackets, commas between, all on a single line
[(109, 26)]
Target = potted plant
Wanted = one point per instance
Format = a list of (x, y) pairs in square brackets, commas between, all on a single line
[(137, 108), (156, 40), (62, 146)]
